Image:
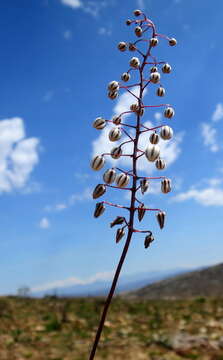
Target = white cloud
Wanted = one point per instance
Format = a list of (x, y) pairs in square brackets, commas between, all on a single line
[(91, 7), (44, 223), (67, 34), (85, 195), (18, 155), (72, 281), (218, 113), (210, 195), (209, 134), (48, 96), (104, 31), (158, 115), (75, 4)]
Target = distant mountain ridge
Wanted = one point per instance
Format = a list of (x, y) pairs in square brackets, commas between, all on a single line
[(101, 288), (204, 282)]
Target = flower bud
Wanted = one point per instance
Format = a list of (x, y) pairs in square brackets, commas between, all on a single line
[(138, 31), (114, 134), (99, 191), (128, 22), (160, 164), (154, 42), (144, 185), (172, 42), (153, 69), (165, 186), (160, 91), (118, 221), (112, 95), (134, 63), (122, 46), (116, 120), (154, 138), (152, 152), (141, 211), (99, 209), (132, 47), (109, 176), (141, 111), (125, 77), (119, 234), (154, 77), (148, 240), (99, 123), (166, 69), (113, 86), (166, 132), (98, 162), (116, 152), (134, 107), (137, 12), (161, 218), (169, 112), (122, 180)]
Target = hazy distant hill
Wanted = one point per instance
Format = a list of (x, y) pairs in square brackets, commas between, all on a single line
[(100, 288), (205, 282)]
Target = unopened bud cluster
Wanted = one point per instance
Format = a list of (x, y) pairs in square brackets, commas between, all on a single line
[(115, 177)]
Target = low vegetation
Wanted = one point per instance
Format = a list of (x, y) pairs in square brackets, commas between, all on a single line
[(63, 329)]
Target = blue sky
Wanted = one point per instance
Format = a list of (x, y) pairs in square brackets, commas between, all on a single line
[(56, 61)]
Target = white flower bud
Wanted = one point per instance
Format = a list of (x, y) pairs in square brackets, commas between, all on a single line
[(172, 42), (99, 123), (166, 69), (98, 162), (154, 138), (141, 111), (141, 211), (152, 152), (116, 120), (134, 107), (165, 186), (116, 152), (99, 190), (160, 164), (148, 240), (138, 31), (137, 12), (99, 209), (119, 234), (155, 77), (160, 91), (114, 134), (122, 180), (153, 69), (128, 22), (144, 185), (166, 132), (132, 47), (113, 86), (112, 94), (169, 112), (154, 42), (161, 218), (134, 63), (125, 77), (109, 176), (122, 46)]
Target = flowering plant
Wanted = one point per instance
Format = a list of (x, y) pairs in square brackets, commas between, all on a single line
[(122, 178)]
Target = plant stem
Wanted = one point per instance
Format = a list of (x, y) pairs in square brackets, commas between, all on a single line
[(131, 210)]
